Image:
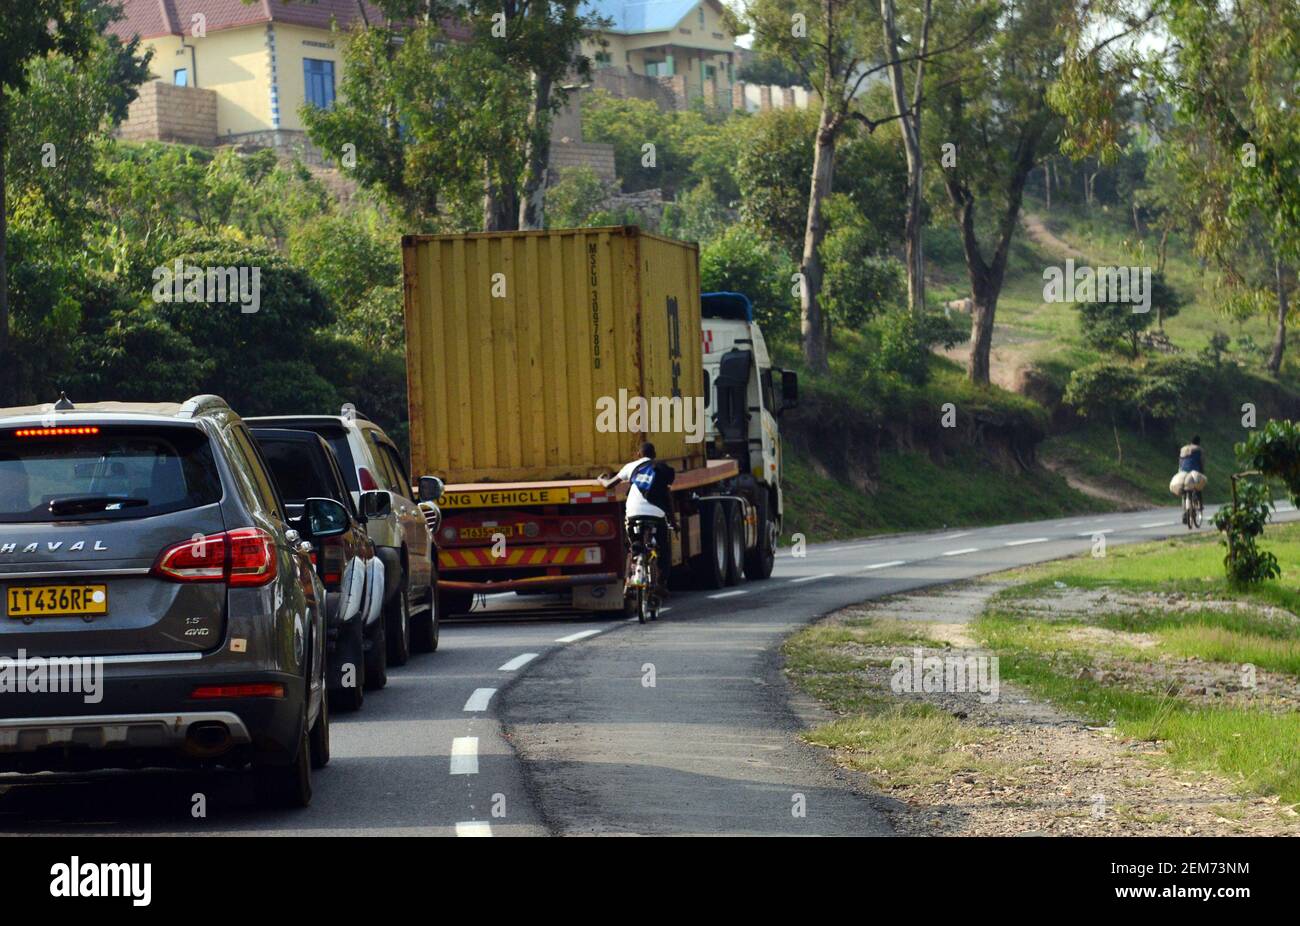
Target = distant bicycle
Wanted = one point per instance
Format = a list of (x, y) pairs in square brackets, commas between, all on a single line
[(643, 574), (1193, 509)]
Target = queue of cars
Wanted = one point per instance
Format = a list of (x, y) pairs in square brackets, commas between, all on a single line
[(185, 587)]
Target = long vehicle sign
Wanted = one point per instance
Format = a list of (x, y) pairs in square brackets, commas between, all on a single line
[(498, 498)]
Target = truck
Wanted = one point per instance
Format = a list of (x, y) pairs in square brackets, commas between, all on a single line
[(540, 360)]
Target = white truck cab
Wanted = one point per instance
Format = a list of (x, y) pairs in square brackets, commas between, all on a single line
[(745, 394)]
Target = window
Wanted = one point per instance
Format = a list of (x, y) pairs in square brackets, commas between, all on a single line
[(603, 59), (701, 14), (181, 77), (262, 486), (318, 80), (120, 473), (710, 72)]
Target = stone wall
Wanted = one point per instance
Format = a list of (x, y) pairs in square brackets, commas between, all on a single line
[(165, 112), (599, 157)]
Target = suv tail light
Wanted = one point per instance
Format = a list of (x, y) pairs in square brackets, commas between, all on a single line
[(331, 561), (241, 558), (366, 479)]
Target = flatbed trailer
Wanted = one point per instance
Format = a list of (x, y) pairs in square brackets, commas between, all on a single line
[(567, 535)]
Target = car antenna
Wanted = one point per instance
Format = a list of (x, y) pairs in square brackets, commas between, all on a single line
[(64, 404)]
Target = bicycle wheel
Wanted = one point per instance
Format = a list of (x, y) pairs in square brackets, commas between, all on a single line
[(642, 605), (1198, 512)]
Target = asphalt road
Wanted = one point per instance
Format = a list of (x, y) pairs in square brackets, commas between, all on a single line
[(528, 724)]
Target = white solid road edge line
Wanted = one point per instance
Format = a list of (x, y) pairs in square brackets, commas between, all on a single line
[(480, 699), (729, 594), (892, 562), (824, 575), (1021, 543), (474, 828), (518, 662), (575, 637), (464, 755), (960, 552)]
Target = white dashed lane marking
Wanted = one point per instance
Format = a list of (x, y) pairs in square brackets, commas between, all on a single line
[(473, 828), (518, 662), (464, 755), (1107, 530), (824, 575), (728, 594), (480, 699), (961, 551), (575, 637), (1021, 543), (892, 562)]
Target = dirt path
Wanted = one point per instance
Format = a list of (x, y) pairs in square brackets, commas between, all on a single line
[(1035, 770), (1042, 235)]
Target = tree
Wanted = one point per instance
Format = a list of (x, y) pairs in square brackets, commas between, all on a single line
[(1229, 72), (1114, 325), (998, 119), (1104, 390), (29, 32), (830, 42)]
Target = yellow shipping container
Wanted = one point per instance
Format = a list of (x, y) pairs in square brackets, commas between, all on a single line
[(523, 347)]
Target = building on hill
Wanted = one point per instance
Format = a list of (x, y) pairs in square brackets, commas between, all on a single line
[(230, 72)]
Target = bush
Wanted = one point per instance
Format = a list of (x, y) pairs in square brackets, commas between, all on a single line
[(1241, 523), (573, 199), (738, 261)]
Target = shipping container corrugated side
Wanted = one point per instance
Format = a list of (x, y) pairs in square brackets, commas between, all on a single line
[(512, 338)]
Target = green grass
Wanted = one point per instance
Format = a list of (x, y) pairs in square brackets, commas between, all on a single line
[(1257, 749), (1191, 566), (896, 743), (916, 494)]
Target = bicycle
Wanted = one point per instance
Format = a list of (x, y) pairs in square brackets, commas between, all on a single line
[(643, 569), (1193, 509)]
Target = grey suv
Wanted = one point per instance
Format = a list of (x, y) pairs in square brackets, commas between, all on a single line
[(382, 488), (151, 578)]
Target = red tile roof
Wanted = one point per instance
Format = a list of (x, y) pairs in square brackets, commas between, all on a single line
[(153, 18)]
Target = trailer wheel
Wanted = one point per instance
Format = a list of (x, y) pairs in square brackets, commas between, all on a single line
[(735, 543), (710, 566), (760, 560)]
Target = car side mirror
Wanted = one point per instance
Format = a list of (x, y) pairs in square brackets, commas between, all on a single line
[(789, 389), (430, 488), (325, 517), (376, 504)]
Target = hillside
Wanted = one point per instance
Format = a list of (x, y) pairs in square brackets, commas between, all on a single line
[(862, 460)]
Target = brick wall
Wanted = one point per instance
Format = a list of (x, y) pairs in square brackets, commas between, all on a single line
[(165, 112)]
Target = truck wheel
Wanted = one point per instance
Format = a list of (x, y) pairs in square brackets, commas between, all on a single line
[(760, 560), (735, 543), (710, 566)]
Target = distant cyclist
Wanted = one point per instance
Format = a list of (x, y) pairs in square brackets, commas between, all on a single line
[(648, 498), (1191, 458)]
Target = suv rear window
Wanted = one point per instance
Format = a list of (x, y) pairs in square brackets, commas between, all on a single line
[(117, 474), (298, 470)]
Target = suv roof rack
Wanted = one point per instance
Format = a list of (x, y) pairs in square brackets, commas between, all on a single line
[(350, 410), (202, 403)]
